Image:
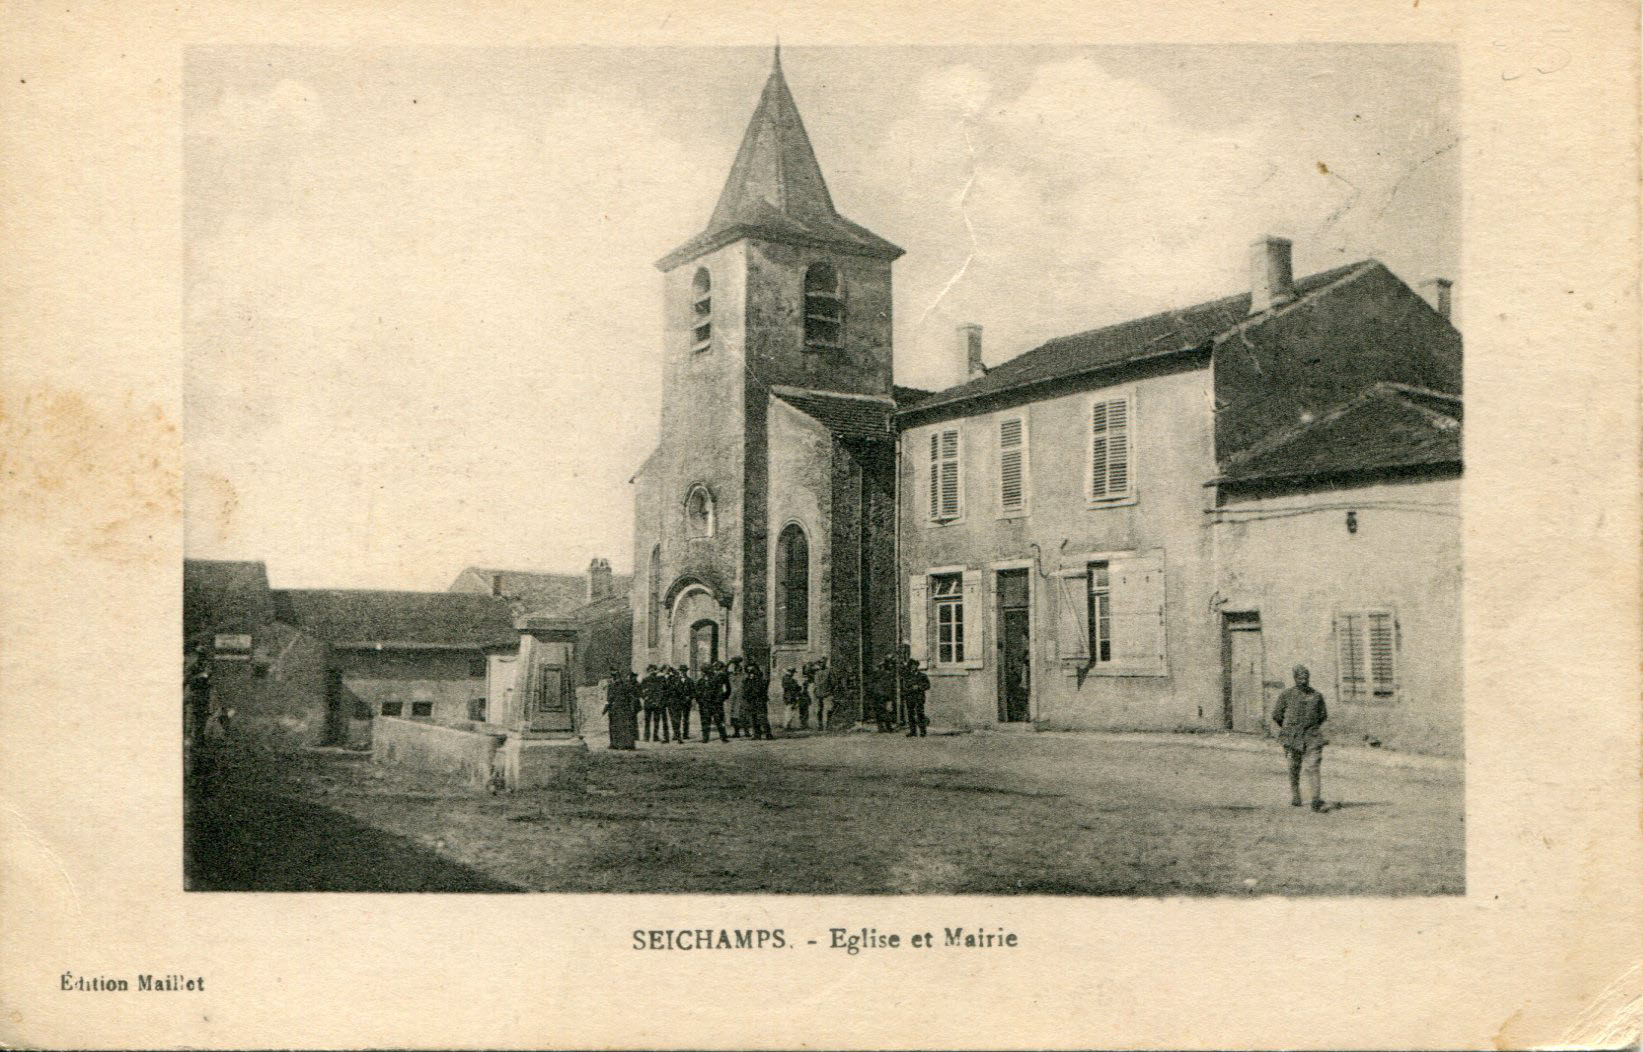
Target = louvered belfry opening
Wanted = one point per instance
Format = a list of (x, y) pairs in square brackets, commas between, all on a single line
[(823, 308), (701, 310)]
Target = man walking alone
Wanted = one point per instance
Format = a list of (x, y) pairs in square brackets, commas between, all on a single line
[(1299, 716)]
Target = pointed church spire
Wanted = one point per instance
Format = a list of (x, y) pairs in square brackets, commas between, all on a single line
[(775, 189)]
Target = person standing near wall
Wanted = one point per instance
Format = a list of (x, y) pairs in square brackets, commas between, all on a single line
[(757, 692), (791, 695), (650, 694), (914, 686), (621, 703), (679, 698), (1299, 716), (710, 704), (736, 697)]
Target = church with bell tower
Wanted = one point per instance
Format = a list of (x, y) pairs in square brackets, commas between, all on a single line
[(764, 519)]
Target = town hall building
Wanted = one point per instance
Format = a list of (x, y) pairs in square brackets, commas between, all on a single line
[(1143, 526)]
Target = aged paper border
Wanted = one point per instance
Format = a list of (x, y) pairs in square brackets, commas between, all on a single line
[(1542, 950)]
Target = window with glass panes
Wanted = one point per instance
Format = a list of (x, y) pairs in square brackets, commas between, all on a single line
[(947, 605), (1100, 614)]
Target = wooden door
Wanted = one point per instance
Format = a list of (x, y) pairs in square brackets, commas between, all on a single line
[(704, 644), (1014, 652), (1245, 671)]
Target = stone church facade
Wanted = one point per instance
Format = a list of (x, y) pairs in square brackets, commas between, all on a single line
[(764, 520)]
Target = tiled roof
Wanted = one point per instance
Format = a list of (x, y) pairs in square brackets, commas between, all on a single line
[(399, 620), (1388, 426), (221, 595), (1167, 333), (849, 416), (775, 189), (551, 594), (906, 396)]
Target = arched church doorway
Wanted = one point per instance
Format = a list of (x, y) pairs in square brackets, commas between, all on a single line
[(704, 643), (695, 608)]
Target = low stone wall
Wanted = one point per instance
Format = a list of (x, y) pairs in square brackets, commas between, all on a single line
[(590, 708), (451, 751)]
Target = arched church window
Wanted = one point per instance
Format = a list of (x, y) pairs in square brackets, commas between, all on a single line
[(653, 626), (792, 586), (699, 512), (701, 303), (823, 308)]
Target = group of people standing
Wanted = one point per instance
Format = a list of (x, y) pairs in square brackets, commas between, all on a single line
[(667, 694)]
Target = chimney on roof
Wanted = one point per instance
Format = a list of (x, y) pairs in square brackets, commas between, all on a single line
[(969, 350), (496, 584), (1271, 278), (1436, 291), (599, 582)]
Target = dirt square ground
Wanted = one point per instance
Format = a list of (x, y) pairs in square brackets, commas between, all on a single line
[(984, 813)]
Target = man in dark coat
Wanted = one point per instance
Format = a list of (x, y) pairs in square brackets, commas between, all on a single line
[(757, 695), (914, 686), (680, 697), (884, 695), (651, 696), (1299, 716), (710, 704), (622, 706)]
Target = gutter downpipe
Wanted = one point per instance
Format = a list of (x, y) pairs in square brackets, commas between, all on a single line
[(895, 490)]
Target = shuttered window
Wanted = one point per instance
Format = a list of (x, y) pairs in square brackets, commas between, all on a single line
[(1110, 617), (1366, 643), (1111, 473), (945, 501), (1012, 465)]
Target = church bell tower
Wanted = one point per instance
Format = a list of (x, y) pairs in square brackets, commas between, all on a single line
[(779, 292)]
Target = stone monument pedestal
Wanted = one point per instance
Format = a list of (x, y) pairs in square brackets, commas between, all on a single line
[(534, 761)]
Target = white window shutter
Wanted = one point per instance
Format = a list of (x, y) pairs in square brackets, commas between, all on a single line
[(1349, 680), (935, 475), (918, 608), (975, 619), (1381, 654), (1072, 617), (1138, 617), (1012, 464)]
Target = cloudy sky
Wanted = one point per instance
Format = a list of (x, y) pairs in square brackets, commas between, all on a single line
[(423, 324)]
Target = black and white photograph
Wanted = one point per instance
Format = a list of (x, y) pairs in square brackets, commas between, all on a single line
[(824, 470), (820, 526)]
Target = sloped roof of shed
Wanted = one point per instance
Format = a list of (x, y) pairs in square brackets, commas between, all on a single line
[(225, 595), (1388, 426), (552, 594), (848, 416), (413, 620)]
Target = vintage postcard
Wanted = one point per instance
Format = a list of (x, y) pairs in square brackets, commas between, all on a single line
[(650, 534)]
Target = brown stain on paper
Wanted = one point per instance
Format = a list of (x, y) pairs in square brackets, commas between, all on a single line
[(100, 475)]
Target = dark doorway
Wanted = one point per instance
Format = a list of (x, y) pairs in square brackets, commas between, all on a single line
[(1243, 670), (337, 709), (1015, 667), (704, 643)]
